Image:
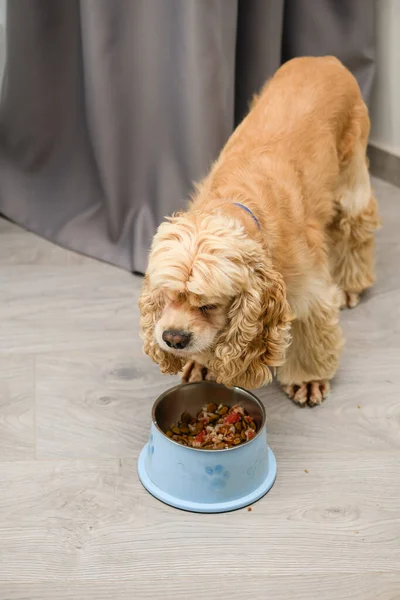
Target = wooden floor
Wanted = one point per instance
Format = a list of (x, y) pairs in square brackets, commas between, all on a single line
[(75, 399)]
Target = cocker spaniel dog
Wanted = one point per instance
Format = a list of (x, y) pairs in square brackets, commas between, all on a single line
[(278, 236)]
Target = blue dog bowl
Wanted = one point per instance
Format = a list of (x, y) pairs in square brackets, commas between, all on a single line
[(206, 481)]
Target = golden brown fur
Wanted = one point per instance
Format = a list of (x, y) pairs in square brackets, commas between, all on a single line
[(298, 162)]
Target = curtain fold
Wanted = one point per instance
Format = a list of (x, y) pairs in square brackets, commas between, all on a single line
[(112, 108)]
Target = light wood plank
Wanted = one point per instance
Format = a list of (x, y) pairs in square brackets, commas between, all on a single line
[(16, 408), (340, 586), (54, 309), (95, 405), (362, 412), (92, 520)]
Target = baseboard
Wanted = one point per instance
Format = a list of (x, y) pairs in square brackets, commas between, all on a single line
[(384, 165)]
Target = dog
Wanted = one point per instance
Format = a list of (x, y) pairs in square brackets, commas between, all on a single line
[(277, 237)]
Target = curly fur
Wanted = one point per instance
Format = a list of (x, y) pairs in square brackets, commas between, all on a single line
[(257, 332), (298, 162), (151, 306)]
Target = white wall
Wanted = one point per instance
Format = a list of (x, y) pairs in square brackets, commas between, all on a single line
[(2, 37), (3, 11), (385, 104)]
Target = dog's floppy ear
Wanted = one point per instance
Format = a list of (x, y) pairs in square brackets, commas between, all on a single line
[(257, 333), (151, 306)]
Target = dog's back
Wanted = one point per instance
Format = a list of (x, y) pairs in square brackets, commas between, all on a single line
[(309, 116), (308, 100)]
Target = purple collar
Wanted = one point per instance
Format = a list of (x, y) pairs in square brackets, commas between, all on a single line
[(253, 216)]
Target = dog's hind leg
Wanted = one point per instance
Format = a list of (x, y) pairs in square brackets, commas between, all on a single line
[(351, 234)]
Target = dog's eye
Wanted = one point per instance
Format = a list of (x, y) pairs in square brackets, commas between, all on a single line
[(207, 307)]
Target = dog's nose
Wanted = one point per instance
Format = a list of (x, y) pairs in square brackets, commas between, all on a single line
[(176, 339)]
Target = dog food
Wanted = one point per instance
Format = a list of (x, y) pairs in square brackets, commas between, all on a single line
[(214, 428)]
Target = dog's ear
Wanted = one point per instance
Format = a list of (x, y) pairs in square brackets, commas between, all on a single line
[(257, 333), (151, 306)]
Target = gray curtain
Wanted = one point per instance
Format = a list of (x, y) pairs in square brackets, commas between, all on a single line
[(111, 108)]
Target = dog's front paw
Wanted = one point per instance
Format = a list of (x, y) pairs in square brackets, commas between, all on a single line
[(349, 300), (311, 392), (194, 371)]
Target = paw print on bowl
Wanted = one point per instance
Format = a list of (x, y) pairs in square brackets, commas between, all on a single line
[(150, 445), (217, 477)]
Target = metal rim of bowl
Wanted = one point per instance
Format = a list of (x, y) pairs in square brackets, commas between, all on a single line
[(252, 396)]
